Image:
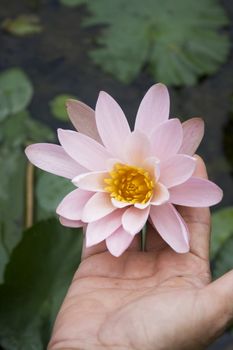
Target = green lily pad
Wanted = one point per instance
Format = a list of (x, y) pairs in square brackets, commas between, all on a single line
[(36, 279), (12, 192), (222, 229), (50, 190), (22, 25), (58, 106), (16, 132), (20, 129), (15, 92), (177, 41)]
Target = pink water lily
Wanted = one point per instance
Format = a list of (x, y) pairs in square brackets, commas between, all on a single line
[(125, 178)]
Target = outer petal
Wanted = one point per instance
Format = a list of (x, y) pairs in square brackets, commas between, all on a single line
[(171, 227), (83, 118), (83, 149), (93, 181), (196, 192), (136, 148), (119, 241), (176, 170), (193, 131), (99, 230), (154, 109), (111, 123), (134, 219), (71, 223), (54, 159), (166, 140), (71, 206), (98, 206)]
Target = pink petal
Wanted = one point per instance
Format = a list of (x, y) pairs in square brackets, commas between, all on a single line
[(193, 131), (166, 139), (196, 192), (70, 223), (111, 162), (83, 149), (54, 159), (154, 109), (152, 164), (93, 181), (176, 170), (160, 195), (99, 230), (119, 204), (134, 219), (111, 123), (83, 118), (98, 206), (142, 206), (72, 205), (171, 227), (119, 241), (136, 148)]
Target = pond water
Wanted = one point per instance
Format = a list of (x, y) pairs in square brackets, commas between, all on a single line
[(57, 62)]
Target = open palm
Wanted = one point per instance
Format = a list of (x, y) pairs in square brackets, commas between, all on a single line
[(150, 300)]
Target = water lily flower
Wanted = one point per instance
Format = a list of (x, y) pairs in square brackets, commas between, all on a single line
[(124, 177)]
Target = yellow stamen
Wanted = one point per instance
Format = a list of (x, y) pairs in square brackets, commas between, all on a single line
[(129, 184)]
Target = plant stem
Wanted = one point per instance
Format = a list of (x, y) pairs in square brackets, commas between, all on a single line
[(29, 195)]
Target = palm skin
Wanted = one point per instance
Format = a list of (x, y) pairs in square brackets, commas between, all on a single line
[(153, 300)]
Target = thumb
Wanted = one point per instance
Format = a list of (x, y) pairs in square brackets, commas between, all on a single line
[(219, 298)]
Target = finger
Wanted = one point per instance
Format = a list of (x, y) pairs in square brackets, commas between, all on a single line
[(198, 220), (219, 296)]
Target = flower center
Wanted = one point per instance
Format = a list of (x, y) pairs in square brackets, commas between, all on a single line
[(129, 184)]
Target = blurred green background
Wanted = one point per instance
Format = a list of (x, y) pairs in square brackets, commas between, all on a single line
[(55, 49)]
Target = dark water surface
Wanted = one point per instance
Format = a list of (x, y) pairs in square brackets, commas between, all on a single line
[(57, 62)]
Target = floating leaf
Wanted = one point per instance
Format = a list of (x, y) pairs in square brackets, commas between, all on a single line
[(50, 190), (15, 92), (20, 129), (58, 106), (178, 41), (16, 131), (35, 282), (22, 25), (222, 229), (12, 192)]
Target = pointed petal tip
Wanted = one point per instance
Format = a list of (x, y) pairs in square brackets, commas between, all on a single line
[(116, 254), (60, 131), (103, 93), (183, 249), (27, 151), (161, 85), (70, 102), (219, 196)]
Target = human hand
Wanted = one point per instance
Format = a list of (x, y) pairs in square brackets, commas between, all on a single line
[(152, 300)]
